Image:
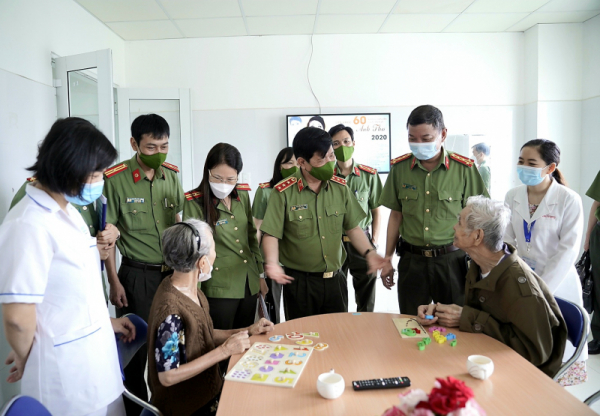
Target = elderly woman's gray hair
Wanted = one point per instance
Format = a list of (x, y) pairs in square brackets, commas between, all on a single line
[(179, 246), (490, 216)]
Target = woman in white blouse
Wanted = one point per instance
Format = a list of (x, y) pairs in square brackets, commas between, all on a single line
[(547, 227), (53, 307)]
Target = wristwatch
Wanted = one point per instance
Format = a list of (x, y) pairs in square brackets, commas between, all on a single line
[(262, 276)]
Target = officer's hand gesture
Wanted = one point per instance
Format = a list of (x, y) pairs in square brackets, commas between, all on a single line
[(108, 237), (387, 274), (117, 295), (275, 272)]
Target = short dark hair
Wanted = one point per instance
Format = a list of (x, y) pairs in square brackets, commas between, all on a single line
[(71, 151), (285, 155), (336, 129), (550, 153), (311, 140), (150, 124), (221, 153), (426, 114), (482, 148), (316, 118)]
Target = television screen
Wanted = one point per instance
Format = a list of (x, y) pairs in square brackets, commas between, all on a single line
[(372, 139)]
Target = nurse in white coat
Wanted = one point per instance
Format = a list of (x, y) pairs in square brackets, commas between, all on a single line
[(53, 307), (547, 227)]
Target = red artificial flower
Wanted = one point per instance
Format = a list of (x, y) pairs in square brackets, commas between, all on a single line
[(452, 394)]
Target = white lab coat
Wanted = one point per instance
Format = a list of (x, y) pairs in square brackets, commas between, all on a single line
[(48, 258), (555, 240)]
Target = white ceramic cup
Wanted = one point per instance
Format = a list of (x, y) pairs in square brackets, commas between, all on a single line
[(480, 366), (330, 385)]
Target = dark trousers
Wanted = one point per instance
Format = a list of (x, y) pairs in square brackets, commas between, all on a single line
[(423, 279), (364, 283), (310, 295), (595, 258), (140, 287)]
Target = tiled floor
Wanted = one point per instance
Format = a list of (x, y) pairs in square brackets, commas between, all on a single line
[(585, 390)]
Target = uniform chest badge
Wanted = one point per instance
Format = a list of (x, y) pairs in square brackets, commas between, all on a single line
[(408, 186), (135, 200), (298, 207), (221, 222)]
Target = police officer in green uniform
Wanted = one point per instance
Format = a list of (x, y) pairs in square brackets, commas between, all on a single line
[(364, 183), (285, 165), (303, 226), (426, 190), (592, 243), (236, 276), (144, 198), (480, 152)]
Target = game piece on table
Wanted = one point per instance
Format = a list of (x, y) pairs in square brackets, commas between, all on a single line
[(294, 336), (276, 370), (417, 331), (421, 346), (305, 342), (450, 336), (409, 332), (427, 341), (311, 334), (321, 346), (453, 343), (410, 324), (276, 338), (441, 339), (428, 316)]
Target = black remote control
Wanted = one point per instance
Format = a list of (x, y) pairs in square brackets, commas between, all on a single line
[(381, 383)]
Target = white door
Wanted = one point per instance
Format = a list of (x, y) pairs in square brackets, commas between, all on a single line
[(84, 88), (171, 103)]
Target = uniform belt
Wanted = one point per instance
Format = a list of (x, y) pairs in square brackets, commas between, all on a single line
[(326, 275), (144, 266), (428, 251)]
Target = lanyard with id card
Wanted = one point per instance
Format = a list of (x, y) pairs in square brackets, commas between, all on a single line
[(528, 230)]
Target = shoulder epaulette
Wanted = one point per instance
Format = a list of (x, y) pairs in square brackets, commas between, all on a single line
[(110, 172), (191, 195), (264, 185), (401, 158), (172, 167), (339, 180), (367, 169), (286, 183), (243, 187), (461, 159), (32, 179)]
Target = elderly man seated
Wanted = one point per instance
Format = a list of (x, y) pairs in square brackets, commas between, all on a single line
[(504, 298)]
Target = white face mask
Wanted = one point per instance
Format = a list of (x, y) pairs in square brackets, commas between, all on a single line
[(221, 190), (203, 277)]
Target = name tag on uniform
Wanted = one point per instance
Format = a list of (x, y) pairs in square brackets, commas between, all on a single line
[(407, 186), (222, 222), (299, 207), (135, 200)]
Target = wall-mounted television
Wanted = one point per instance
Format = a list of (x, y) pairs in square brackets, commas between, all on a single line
[(372, 134)]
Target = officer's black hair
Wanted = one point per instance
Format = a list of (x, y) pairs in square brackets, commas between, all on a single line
[(71, 151), (316, 118), (340, 127), (482, 148), (310, 141), (550, 153), (285, 155), (221, 153), (153, 125), (426, 114)]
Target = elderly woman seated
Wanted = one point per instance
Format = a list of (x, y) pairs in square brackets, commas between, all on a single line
[(504, 298), (183, 347)]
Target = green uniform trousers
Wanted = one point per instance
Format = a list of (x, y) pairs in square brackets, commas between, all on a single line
[(140, 287), (311, 294), (595, 258), (423, 279), (364, 283)]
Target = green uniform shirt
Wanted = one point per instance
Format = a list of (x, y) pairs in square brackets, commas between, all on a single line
[(365, 185), (486, 175), (430, 201), (594, 193), (261, 198), (88, 212), (142, 209), (238, 255), (309, 226)]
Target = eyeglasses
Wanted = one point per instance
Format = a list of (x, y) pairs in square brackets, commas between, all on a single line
[(229, 181)]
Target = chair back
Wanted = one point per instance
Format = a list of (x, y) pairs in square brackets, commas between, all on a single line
[(128, 349), (577, 321), (24, 406)]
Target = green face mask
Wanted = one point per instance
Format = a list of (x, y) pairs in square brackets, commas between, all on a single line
[(323, 173), (288, 172), (344, 153), (153, 161)]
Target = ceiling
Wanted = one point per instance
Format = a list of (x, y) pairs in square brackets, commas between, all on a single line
[(175, 19)]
